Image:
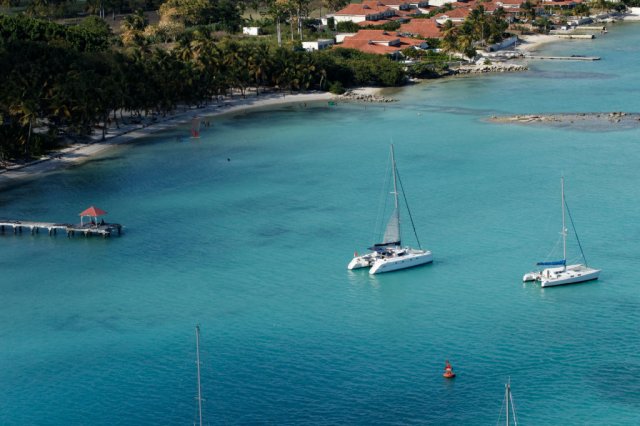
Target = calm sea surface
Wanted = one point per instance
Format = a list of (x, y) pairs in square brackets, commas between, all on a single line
[(248, 232)]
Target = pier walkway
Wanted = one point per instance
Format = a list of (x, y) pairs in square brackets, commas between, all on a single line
[(88, 229), (565, 58)]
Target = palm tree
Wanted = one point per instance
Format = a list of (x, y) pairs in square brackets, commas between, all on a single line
[(335, 4), (450, 37), (529, 10), (259, 64), (278, 10), (301, 7), (132, 27)]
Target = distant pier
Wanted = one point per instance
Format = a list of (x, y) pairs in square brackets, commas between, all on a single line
[(577, 36), (566, 58), (17, 227)]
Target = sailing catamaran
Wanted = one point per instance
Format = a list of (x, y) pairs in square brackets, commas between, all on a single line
[(389, 255), (559, 273)]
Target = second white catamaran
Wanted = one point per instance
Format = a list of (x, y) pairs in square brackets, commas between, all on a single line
[(389, 255), (559, 272)]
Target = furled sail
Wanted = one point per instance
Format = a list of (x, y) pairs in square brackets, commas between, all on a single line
[(553, 263)]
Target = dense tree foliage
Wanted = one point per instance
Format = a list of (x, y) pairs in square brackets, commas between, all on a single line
[(479, 28), (82, 37), (72, 80), (225, 13)]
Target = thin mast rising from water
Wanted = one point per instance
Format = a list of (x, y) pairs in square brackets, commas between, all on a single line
[(564, 228), (198, 366)]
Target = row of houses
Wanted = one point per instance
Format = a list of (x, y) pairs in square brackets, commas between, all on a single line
[(414, 28)]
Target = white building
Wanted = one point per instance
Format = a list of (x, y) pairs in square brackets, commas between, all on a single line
[(317, 44), (252, 31)]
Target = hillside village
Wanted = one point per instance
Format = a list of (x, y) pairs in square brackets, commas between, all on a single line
[(438, 24)]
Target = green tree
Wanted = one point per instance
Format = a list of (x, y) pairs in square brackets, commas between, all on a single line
[(335, 5)]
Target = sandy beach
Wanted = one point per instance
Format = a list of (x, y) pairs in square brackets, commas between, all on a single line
[(532, 42), (81, 152)]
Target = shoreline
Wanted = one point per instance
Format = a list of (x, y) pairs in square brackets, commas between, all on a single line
[(78, 153), (532, 42)]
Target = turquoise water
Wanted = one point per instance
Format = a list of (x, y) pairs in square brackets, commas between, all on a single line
[(248, 231)]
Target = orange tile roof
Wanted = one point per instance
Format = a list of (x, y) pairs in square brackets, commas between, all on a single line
[(366, 47), (511, 3), (374, 35), (427, 28), (459, 4), (366, 8), (372, 41), (455, 13)]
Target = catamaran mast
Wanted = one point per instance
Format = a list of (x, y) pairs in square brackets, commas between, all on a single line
[(509, 400), (395, 188), (564, 228), (198, 365), (506, 398)]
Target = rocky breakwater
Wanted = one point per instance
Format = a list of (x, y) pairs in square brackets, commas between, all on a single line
[(486, 68), (595, 121), (353, 96)]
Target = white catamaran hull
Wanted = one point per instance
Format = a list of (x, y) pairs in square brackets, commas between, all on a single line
[(572, 274), (408, 260), (364, 261)]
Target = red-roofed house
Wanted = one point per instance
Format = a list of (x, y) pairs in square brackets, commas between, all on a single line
[(564, 4), (381, 42), (426, 28), (366, 11), (397, 4), (411, 6), (457, 16), (510, 4), (440, 3)]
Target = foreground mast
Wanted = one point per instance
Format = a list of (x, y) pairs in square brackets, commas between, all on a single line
[(509, 401), (198, 367)]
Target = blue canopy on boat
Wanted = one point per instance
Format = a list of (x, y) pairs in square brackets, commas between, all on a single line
[(553, 263)]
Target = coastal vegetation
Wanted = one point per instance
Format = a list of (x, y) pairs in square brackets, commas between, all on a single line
[(71, 69), (71, 80)]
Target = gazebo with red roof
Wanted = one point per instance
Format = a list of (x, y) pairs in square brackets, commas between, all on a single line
[(93, 212)]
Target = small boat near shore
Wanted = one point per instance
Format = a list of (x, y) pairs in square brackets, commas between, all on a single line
[(558, 272), (390, 255)]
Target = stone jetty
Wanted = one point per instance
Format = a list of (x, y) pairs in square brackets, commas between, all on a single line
[(487, 68), (352, 96), (582, 120)]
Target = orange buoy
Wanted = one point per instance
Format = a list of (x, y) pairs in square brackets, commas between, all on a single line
[(448, 371)]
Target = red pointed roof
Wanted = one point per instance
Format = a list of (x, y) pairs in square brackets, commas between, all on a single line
[(93, 211)]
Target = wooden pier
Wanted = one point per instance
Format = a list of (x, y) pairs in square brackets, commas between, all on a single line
[(102, 229)]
